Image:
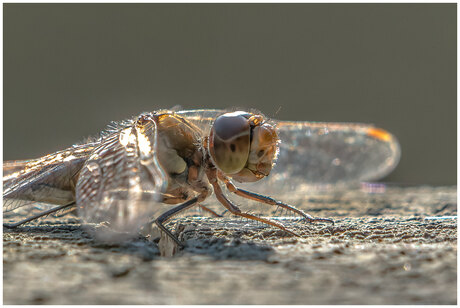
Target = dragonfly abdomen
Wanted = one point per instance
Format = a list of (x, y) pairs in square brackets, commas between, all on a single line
[(49, 183)]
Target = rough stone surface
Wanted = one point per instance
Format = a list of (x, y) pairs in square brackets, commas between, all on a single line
[(381, 250)]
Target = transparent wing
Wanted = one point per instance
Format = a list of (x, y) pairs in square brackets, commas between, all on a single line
[(203, 118), (319, 154), (30, 184), (121, 184), (322, 154)]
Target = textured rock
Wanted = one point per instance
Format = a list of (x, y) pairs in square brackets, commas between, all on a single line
[(381, 250)]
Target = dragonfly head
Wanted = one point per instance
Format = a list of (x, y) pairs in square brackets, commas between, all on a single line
[(243, 146)]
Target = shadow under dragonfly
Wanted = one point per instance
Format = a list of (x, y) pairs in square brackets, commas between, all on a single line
[(198, 240)]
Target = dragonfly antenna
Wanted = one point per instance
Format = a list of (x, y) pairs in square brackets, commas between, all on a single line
[(277, 111)]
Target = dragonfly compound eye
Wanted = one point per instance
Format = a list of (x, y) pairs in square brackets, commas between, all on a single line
[(230, 142)]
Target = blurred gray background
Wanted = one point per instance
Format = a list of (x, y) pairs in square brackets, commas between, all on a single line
[(69, 69)]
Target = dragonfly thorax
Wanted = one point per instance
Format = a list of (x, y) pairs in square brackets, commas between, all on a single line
[(243, 146)]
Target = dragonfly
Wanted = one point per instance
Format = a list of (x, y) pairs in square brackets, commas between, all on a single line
[(177, 159)]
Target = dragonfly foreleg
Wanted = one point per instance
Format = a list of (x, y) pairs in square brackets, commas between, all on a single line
[(235, 210), (45, 213), (267, 200), (209, 211)]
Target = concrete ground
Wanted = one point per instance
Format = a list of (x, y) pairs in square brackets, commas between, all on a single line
[(381, 250)]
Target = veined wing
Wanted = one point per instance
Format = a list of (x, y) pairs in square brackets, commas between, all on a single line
[(122, 182), (321, 153), (49, 179), (203, 118)]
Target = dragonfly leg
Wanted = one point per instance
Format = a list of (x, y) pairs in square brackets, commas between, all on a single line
[(267, 200), (235, 210), (209, 211), (163, 218), (44, 213)]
